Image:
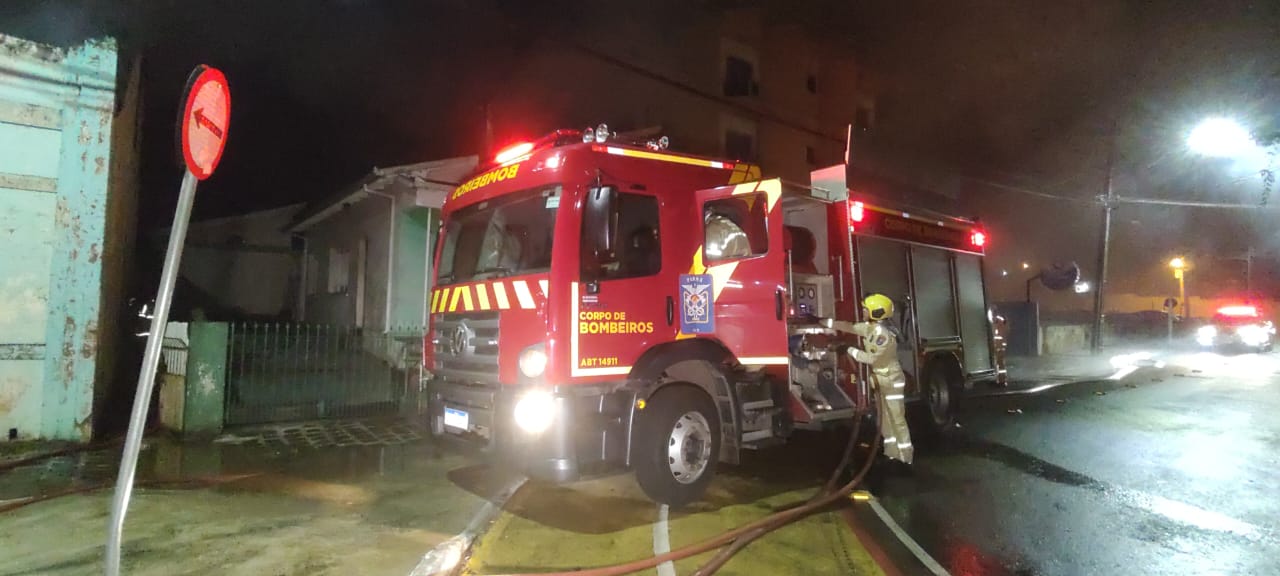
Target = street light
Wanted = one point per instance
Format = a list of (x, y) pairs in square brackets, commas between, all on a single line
[(1179, 265), (1220, 138)]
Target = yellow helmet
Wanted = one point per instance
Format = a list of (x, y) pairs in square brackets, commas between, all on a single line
[(878, 306)]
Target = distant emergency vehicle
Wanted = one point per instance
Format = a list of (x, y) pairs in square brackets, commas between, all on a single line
[(601, 306), (1238, 325)]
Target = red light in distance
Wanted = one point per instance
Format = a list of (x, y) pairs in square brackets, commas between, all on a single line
[(512, 152)]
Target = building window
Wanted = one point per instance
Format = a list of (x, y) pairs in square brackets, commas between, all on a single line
[(862, 119), (735, 227), (636, 246), (739, 77), (811, 84), (339, 271), (739, 145)]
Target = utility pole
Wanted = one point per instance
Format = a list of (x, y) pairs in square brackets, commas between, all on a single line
[(1104, 245)]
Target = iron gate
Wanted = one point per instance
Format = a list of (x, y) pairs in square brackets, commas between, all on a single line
[(278, 372)]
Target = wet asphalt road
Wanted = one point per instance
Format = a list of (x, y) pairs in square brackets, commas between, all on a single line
[(1170, 470)]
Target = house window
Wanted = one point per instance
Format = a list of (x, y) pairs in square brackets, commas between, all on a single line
[(739, 145), (739, 77), (811, 84), (735, 227), (339, 271)]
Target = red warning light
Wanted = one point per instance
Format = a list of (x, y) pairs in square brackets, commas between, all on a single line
[(1238, 310), (512, 152), (979, 238), (856, 212)]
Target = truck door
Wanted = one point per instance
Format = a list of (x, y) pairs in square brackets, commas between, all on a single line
[(616, 316), (741, 262), (882, 269)]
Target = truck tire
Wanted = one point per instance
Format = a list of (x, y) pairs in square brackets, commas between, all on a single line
[(677, 445), (940, 392)]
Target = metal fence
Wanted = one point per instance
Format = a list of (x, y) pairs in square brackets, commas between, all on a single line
[(280, 372)]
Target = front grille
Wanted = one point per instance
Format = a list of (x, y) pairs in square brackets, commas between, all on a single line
[(466, 347)]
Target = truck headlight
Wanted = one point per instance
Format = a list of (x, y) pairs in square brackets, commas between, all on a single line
[(1205, 335), (1252, 335), (533, 362), (535, 411)]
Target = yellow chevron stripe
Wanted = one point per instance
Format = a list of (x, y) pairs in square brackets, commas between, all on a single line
[(483, 296), (444, 299), (453, 302), (544, 284), (466, 299), (435, 300)]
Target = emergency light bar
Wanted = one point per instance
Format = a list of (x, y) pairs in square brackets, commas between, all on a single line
[(1238, 310), (513, 152)]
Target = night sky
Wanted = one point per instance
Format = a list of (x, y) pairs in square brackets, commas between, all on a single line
[(1023, 95)]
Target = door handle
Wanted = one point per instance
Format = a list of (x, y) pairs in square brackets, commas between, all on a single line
[(671, 311), (777, 303)]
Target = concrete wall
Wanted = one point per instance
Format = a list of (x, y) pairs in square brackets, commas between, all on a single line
[(57, 112), (367, 221), (1065, 338), (403, 266), (244, 264)]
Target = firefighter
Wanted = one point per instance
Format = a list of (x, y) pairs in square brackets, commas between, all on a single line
[(880, 352)]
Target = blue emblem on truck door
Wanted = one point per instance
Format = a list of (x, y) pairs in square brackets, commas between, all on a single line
[(697, 316)]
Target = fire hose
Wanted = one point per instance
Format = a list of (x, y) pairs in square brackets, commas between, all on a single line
[(733, 541)]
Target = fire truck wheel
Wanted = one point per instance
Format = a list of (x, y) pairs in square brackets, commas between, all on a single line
[(940, 394), (678, 440)]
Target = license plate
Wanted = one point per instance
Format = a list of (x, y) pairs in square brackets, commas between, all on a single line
[(455, 418)]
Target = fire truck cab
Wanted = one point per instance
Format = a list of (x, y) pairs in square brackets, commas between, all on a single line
[(604, 306)]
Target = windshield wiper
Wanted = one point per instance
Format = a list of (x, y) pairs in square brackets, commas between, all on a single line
[(494, 269)]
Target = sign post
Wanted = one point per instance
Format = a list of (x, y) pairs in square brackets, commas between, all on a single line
[(203, 131)]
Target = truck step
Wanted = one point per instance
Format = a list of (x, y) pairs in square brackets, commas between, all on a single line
[(756, 436), (757, 405)]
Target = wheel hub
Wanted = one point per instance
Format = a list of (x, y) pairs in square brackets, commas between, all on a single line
[(689, 447)]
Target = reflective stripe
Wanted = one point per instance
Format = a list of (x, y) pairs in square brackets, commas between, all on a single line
[(453, 302), (890, 440), (663, 157), (482, 295), (435, 300), (764, 360), (904, 445), (500, 294), (894, 397), (899, 384), (523, 294), (444, 300), (466, 299), (544, 284)]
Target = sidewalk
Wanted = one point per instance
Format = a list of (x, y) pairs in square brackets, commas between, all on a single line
[(273, 504)]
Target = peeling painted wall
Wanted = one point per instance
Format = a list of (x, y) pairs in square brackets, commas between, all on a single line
[(57, 110)]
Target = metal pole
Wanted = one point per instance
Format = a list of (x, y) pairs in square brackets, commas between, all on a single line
[(1104, 247), (147, 375), (1182, 293)]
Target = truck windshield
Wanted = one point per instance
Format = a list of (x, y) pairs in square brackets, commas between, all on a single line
[(501, 237)]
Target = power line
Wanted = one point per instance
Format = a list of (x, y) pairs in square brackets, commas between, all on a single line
[(1190, 203)]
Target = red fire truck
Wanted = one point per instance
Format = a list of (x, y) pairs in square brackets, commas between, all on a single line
[(603, 306)]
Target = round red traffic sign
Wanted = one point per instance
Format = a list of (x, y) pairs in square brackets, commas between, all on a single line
[(205, 118)]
